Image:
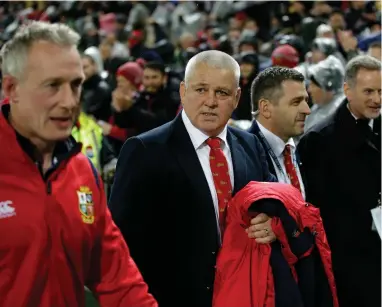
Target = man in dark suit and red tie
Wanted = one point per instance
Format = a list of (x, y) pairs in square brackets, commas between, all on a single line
[(172, 185), (281, 100)]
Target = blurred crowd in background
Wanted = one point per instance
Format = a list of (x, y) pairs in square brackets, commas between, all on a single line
[(135, 53)]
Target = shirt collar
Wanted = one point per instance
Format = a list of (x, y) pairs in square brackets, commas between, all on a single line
[(276, 144), (198, 138), (371, 121)]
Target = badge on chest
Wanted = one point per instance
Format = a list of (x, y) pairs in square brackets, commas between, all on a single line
[(86, 205)]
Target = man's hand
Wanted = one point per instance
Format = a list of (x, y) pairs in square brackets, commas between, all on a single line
[(347, 40), (261, 229), (122, 101)]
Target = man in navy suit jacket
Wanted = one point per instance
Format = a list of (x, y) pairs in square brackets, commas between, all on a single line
[(281, 100), (164, 199)]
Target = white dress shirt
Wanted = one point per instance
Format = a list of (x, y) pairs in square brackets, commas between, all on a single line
[(278, 146), (198, 139)]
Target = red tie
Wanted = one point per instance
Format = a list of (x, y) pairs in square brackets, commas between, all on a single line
[(220, 174), (290, 169)]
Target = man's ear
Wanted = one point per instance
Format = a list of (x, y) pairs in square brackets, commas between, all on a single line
[(265, 107), (237, 98), (348, 91), (9, 87), (182, 91)]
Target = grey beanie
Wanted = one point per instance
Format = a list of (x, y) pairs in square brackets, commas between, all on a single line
[(328, 74), (95, 55)]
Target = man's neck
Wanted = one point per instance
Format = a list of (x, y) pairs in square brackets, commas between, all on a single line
[(355, 114), (267, 125), (43, 150)]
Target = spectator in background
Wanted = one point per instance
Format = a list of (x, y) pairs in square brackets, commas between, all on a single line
[(326, 90), (249, 68), (325, 30), (129, 81), (96, 94), (154, 105), (337, 20), (374, 50)]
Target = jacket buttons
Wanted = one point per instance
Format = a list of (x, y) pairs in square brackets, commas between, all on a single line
[(208, 288), (213, 253)]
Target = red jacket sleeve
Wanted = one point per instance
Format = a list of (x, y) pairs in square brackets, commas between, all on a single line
[(114, 277)]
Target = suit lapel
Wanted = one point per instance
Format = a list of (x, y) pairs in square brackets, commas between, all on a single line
[(239, 162), (255, 129), (188, 159)]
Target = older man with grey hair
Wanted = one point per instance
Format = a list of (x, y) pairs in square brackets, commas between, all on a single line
[(341, 158), (166, 200), (57, 234)]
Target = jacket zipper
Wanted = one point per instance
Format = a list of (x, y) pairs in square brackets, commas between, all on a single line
[(49, 187)]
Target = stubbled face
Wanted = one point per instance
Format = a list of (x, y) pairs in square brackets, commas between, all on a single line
[(287, 115), (209, 98), (365, 95), (153, 80), (46, 101)]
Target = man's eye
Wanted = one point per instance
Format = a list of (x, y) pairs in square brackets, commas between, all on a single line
[(222, 93), (200, 90), (53, 85)]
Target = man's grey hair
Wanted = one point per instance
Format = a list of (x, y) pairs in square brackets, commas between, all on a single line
[(356, 64), (215, 59), (15, 52)]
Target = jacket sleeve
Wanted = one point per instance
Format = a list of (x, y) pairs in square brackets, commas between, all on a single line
[(114, 277)]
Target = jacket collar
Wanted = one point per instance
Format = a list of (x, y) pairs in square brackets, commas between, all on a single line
[(63, 149), (347, 132), (198, 138)]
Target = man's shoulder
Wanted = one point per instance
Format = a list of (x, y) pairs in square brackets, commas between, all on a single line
[(247, 140), (324, 128), (157, 135), (242, 134)]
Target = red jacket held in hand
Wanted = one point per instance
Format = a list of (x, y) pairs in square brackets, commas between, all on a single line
[(284, 273)]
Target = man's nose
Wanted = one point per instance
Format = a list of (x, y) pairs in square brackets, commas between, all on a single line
[(211, 99), (305, 109), (376, 97), (69, 98)]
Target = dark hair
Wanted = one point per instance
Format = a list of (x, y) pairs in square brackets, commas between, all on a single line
[(156, 66), (268, 83), (375, 45)]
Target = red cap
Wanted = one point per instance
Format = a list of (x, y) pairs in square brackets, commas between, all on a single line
[(285, 56), (132, 72)]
